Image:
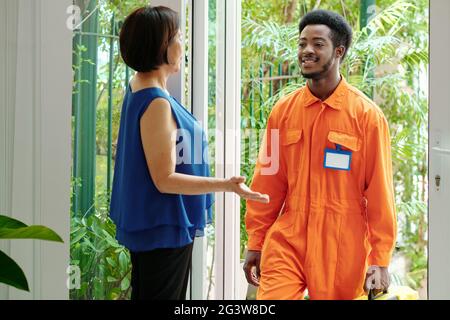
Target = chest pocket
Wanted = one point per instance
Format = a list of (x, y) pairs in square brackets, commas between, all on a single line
[(349, 141), (292, 145)]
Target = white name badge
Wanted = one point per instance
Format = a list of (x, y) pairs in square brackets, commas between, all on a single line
[(337, 159)]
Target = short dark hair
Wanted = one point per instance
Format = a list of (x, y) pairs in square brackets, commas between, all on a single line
[(145, 36), (341, 32)]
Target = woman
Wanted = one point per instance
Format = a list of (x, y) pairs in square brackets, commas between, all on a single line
[(162, 195)]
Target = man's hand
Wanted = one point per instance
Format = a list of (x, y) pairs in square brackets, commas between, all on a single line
[(252, 260), (377, 279)]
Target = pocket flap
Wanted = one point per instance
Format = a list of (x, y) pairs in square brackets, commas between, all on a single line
[(349, 141), (291, 136)]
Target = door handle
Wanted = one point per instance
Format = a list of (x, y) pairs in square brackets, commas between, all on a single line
[(437, 180)]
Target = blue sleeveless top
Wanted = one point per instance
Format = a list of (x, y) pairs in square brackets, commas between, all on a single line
[(145, 218)]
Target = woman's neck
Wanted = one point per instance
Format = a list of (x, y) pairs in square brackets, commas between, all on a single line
[(156, 78)]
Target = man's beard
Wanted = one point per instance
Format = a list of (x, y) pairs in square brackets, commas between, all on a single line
[(319, 74)]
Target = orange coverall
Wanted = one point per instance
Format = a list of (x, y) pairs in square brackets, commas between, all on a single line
[(323, 227)]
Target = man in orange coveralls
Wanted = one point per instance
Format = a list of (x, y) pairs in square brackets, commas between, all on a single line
[(330, 226)]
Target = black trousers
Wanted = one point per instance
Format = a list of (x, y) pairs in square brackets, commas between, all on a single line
[(161, 274)]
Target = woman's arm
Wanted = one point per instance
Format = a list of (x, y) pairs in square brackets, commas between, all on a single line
[(158, 133)]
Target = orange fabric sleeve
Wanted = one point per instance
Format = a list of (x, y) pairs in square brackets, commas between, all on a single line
[(379, 191), (269, 178)]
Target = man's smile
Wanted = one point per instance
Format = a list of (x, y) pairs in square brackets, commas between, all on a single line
[(308, 62)]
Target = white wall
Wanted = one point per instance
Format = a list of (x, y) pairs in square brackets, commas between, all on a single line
[(41, 142)]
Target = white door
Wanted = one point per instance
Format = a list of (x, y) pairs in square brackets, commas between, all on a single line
[(439, 151), (226, 270)]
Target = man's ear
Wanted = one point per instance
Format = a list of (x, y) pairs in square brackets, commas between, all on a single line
[(340, 51)]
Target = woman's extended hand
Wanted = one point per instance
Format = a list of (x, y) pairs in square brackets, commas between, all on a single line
[(237, 185)]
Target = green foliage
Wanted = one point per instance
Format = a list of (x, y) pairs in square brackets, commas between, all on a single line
[(104, 264), (78, 61), (10, 272)]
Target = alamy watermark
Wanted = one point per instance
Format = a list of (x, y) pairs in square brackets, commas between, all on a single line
[(190, 149), (73, 22), (73, 281)]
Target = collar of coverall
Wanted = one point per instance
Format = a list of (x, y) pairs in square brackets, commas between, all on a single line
[(334, 101)]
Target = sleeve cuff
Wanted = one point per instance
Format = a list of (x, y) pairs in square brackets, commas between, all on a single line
[(380, 258), (255, 242)]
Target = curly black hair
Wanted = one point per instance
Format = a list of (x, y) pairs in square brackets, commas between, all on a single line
[(341, 32)]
